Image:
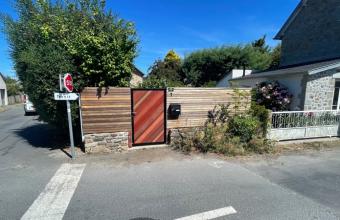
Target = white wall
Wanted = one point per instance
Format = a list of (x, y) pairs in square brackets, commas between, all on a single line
[(224, 83), (292, 82), (3, 88)]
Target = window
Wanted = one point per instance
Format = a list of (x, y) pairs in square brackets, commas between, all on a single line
[(336, 101)]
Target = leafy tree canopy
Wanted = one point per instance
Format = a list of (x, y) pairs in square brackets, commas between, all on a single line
[(261, 44), (168, 69), (172, 56), (204, 67), (276, 57), (13, 86), (78, 36)]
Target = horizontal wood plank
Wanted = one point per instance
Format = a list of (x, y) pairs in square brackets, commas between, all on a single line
[(107, 110), (197, 102)]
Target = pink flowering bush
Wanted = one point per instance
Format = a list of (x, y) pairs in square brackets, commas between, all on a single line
[(273, 96)]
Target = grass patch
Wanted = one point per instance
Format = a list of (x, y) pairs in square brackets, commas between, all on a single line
[(308, 145)]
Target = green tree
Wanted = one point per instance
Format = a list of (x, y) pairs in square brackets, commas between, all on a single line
[(261, 44), (77, 36), (13, 86), (172, 56), (276, 57), (210, 65), (168, 69)]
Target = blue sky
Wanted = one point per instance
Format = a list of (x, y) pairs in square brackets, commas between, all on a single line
[(186, 25)]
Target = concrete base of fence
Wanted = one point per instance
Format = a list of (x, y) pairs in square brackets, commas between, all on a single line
[(106, 142), (281, 134)]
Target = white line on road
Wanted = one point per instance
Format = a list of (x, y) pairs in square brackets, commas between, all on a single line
[(217, 164), (211, 214), (54, 199)]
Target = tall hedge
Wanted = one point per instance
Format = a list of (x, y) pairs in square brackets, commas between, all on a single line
[(78, 36)]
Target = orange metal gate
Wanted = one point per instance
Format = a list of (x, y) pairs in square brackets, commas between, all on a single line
[(148, 116)]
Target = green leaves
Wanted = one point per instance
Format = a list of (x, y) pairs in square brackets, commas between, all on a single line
[(77, 36), (209, 65)]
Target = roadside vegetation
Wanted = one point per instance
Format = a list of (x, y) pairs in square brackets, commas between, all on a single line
[(203, 68), (13, 86), (83, 38), (230, 132)]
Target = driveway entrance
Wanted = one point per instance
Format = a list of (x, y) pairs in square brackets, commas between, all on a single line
[(148, 116)]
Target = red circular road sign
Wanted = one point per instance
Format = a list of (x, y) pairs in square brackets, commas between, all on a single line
[(68, 82)]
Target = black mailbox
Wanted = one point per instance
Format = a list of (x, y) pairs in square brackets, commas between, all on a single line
[(174, 110)]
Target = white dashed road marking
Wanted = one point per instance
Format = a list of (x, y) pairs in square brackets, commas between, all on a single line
[(217, 164), (53, 201), (211, 214)]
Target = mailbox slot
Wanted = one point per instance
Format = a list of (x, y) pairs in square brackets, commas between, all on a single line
[(174, 110)]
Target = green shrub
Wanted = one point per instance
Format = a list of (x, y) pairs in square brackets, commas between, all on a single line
[(154, 82), (211, 137), (243, 126), (237, 135), (273, 96), (262, 114)]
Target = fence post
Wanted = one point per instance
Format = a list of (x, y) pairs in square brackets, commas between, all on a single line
[(269, 124)]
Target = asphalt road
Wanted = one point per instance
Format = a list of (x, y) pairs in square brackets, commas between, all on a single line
[(37, 179)]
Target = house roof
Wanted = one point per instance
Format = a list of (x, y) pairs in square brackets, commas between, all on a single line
[(137, 71), (291, 18), (2, 77), (311, 68)]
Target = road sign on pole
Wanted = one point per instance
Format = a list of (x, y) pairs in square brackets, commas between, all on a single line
[(65, 96), (68, 85), (68, 82), (70, 128)]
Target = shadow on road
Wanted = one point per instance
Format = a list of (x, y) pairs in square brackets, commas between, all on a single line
[(44, 136)]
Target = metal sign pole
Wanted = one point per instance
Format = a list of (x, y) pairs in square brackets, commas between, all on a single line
[(67, 83), (60, 83), (70, 129)]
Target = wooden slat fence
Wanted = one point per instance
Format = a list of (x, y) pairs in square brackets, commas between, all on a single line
[(109, 111), (106, 111), (197, 102)]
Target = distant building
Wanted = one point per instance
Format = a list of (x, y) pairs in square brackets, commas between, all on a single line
[(3, 91), (310, 58), (137, 77), (224, 82)]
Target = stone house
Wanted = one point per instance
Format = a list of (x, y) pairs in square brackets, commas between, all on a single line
[(310, 57), (137, 77), (3, 92)]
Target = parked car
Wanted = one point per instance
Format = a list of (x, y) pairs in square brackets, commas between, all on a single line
[(28, 106)]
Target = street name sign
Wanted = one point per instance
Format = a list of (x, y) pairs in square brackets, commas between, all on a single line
[(65, 96)]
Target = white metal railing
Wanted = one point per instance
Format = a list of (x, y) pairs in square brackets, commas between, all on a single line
[(302, 119)]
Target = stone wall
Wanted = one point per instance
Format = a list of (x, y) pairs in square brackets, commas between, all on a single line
[(106, 142), (176, 135), (319, 91), (314, 34)]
